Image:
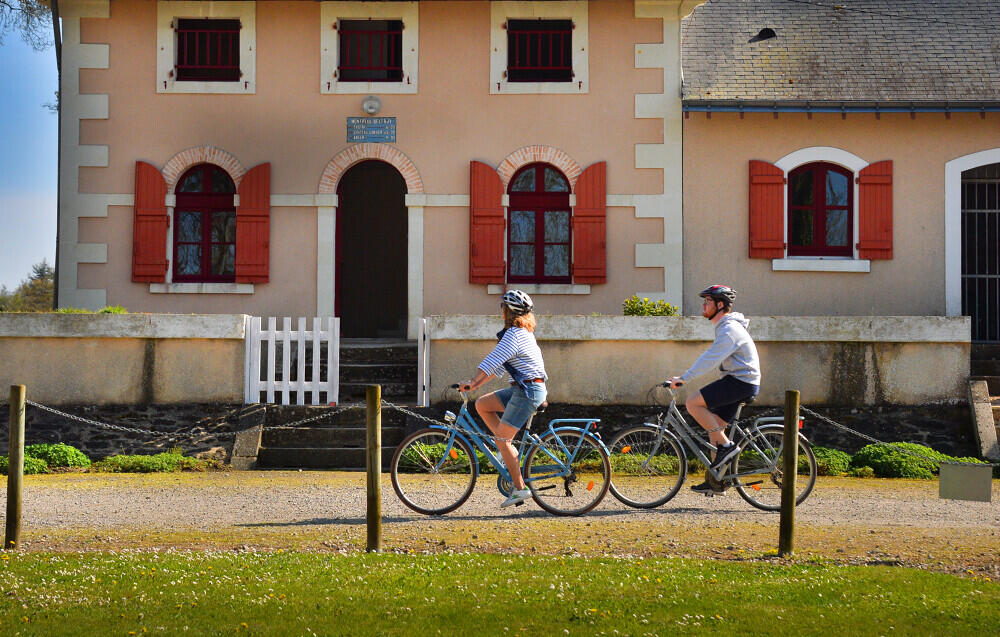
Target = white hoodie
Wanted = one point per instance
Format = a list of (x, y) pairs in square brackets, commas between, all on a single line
[(733, 351)]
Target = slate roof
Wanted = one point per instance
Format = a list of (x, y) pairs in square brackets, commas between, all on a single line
[(880, 51)]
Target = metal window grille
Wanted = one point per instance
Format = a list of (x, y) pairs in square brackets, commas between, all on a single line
[(539, 50), (208, 50), (981, 251), (371, 51)]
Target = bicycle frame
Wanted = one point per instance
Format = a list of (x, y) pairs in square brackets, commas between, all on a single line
[(470, 432)]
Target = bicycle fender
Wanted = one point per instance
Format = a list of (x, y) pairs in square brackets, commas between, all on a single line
[(782, 428), (592, 434)]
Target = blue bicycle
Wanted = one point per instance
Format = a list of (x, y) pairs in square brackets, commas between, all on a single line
[(567, 468)]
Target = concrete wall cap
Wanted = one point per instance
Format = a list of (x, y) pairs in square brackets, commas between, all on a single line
[(221, 326)]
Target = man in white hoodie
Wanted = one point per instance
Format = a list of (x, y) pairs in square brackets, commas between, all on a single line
[(735, 355)]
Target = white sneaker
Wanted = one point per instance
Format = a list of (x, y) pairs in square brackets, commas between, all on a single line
[(518, 496)]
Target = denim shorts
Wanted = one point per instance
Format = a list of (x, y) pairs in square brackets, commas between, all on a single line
[(519, 403), (724, 395)]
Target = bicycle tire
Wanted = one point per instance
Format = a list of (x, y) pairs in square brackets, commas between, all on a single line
[(436, 492), (646, 482), (764, 491), (591, 467)]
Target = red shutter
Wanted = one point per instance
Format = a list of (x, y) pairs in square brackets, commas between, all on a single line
[(253, 226), (767, 211), (486, 225), (590, 252), (875, 211), (149, 225)]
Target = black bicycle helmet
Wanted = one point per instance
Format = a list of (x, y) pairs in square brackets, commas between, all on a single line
[(517, 302), (722, 293)]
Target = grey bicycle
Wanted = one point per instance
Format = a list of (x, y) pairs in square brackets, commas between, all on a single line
[(650, 461)]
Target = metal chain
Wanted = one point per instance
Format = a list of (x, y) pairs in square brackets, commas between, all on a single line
[(876, 441), (325, 414), (131, 430)]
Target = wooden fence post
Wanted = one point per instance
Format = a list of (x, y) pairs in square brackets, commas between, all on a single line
[(790, 468), (15, 468), (373, 458)]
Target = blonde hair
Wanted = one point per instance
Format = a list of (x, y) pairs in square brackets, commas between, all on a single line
[(524, 321)]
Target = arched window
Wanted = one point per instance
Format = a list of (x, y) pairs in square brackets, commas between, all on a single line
[(820, 205), (205, 226), (538, 235)]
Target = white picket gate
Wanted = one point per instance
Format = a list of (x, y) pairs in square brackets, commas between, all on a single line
[(300, 366)]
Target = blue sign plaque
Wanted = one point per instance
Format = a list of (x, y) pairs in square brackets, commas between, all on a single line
[(378, 130)]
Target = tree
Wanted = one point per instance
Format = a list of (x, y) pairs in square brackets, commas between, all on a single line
[(35, 294), (31, 18)]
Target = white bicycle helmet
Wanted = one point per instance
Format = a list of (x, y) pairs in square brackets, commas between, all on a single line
[(517, 302)]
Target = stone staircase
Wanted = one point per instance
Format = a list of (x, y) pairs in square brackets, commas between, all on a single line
[(985, 366), (339, 442)]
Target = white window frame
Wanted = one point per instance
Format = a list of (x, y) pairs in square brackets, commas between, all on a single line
[(846, 160), (166, 45), (575, 10), (331, 12)]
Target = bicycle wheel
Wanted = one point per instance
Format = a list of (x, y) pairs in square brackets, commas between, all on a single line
[(760, 455), (563, 486), (429, 476), (640, 477)]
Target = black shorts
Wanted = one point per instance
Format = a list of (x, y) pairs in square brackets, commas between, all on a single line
[(724, 396)]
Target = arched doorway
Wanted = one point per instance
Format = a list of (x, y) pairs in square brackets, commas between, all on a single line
[(981, 251), (371, 261)]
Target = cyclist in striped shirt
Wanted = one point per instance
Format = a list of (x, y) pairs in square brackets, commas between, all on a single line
[(518, 354)]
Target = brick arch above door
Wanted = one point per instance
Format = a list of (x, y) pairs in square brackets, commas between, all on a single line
[(538, 154), (358, 153), (179, 163)]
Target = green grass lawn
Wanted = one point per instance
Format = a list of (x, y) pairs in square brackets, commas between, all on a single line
[(191, 593)]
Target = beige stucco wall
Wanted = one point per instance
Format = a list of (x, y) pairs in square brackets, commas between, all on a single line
[(843, 361), (717, 152), (452, 120)]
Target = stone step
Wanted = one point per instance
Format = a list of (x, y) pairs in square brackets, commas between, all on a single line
[(992, 382), (320, 437), (985, 351), (392, 391), (377, 373), (995, 403), (347, 414), (985, 367), (377, 350), (349, 458)]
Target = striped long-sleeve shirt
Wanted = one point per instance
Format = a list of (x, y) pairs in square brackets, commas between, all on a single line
[(518, 353)]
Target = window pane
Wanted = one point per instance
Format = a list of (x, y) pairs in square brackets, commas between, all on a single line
[(556, 226), (802, 228), (224, 227), (522, 260), (800, 189), (192, 181), (836, 228), (525, 182), (557, 260), (224, 259), (522, 226), (221, 181), (836, 189), (188, 226), (189, 259), (554, 182)]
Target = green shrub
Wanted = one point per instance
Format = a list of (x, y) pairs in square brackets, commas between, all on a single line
[(58, 455), (72, 310), (631, 464), (112, 309), (831, 462), (107, 309), (889, 462), (861, 472), (31, 465), (634, 306), (167, 462)]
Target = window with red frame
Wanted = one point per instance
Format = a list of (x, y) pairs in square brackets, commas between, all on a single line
[(371, 51), (208, 50), (820, 218), (205, 226), (539, 50), (538, 232)]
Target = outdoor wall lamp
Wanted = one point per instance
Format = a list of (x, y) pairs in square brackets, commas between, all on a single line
[(371, 105)]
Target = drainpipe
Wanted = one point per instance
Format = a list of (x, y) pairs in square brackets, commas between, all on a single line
[(57, 39)]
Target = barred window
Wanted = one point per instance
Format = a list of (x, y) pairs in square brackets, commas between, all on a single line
[(539, 50), (208, 50), (370, 51)]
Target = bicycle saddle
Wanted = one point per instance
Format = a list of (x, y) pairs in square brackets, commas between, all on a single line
[(749, 400), (541, 408)]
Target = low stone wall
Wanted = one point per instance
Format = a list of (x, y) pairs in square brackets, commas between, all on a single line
[(849, 361), (124, 358)]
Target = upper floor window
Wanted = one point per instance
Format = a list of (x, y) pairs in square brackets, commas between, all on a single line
[(208, 50), (371, 51), (205, 226), (538, 240), (820, 205), (539, 50)]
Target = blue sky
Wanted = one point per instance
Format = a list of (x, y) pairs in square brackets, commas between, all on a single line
[(28, 151)]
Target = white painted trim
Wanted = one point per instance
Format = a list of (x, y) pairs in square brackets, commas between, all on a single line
[(326, 249), (201, 288), (953, 223), (414, 270), (330, 12), (50, 325), (166, 43), (302, 201), (819, 264), (541, 288), (575, 10)]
